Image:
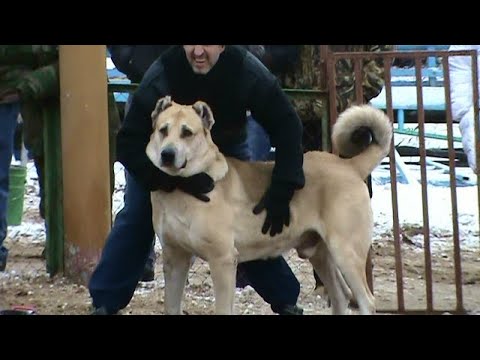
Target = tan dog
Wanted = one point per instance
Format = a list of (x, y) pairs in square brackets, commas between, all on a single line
[(331, 219)]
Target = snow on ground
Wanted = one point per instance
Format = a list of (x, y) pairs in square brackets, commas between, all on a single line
[(410, 211)]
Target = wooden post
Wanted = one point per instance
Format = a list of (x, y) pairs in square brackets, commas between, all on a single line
[(86, 200)]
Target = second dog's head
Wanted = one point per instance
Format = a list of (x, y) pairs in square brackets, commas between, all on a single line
[(180, 143)]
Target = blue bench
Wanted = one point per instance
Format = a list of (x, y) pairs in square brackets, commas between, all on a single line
[(405, 98), (120, 97), (432, 70), (115, 77), (404, 91)]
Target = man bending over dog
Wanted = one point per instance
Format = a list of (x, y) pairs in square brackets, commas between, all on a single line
[(232, 81), (331, 217)]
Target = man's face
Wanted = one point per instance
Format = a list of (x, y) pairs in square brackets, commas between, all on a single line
[(203, 57)]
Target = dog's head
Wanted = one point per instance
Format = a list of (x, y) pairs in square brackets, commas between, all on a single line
[(181, 143)]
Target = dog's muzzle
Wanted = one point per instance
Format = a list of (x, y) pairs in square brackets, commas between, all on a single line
[(168, 157)]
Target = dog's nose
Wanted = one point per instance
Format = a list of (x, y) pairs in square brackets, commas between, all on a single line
[(168, 156)]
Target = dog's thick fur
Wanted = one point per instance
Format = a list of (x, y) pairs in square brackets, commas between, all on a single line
[(331, 218)]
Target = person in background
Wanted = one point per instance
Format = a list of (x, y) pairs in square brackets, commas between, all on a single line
[(9, 110), (28, 85), (461, 93)]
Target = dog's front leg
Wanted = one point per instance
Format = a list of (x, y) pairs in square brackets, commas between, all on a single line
[(223, 271), (176, 263)]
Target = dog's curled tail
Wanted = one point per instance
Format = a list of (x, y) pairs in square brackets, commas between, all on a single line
[(363, 135)]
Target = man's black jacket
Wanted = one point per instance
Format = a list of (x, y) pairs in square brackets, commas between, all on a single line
[(238, 82)]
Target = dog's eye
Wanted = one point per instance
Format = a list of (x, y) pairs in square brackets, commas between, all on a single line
[(186, 133), (164, 131)]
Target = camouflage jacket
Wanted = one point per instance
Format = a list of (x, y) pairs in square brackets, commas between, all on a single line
[(30, 73), (19, 72), (307, 74)]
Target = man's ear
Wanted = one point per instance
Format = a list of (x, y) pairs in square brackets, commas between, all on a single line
[(205, 113), (162, 104)]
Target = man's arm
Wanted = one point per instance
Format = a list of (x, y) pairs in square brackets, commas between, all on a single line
[(274, 111), (281, 59), (132, 140), (271, 108), (41, 84), (121, 56), (257, 50), (28, 55), (373, 72)]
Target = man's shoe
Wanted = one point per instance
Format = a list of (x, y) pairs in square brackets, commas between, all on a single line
[(102, 311), (291, 310), (148, 272)]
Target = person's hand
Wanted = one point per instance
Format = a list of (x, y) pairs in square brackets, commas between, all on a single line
[(197, 185), (276, 202), (163, 181)]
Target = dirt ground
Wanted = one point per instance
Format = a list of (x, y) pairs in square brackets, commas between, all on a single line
[(26, 283)]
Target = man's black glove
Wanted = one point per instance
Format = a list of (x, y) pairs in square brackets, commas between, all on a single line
[(276, 202), (162, 181), (197, 185)]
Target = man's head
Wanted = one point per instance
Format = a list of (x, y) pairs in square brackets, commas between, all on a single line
[(202, 58)]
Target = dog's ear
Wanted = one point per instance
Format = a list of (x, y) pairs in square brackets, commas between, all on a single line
[(162, 104), (205, 113)]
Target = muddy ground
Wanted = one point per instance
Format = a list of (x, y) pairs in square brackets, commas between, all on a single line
[(27, 283)]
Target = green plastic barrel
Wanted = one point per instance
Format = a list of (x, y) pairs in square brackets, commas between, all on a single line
[(16, 194)]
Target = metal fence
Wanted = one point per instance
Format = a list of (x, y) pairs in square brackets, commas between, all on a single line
[(428, 275)]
